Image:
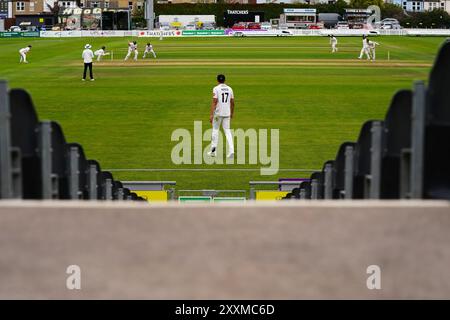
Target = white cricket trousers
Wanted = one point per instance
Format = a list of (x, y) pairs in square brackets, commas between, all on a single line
[(225, 121), (150, 51), (129, 54), (366, 52), (333, 48), (372, 52), (23, 57)]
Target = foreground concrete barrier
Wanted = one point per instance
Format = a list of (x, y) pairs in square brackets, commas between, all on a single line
[(269, 251)]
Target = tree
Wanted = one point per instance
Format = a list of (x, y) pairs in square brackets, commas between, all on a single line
[(138, 18), (362, 4), (54, 9)]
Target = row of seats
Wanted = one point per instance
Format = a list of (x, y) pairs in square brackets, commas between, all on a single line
[(404, 156), (36, 162)]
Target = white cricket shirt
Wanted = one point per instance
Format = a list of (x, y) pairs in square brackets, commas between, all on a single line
[(87, 55), (24, 50), (223, 94)]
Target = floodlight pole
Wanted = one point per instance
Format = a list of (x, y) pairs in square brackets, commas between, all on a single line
[(149, 14)]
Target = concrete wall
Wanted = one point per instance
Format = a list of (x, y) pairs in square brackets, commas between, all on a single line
[(259, 251)]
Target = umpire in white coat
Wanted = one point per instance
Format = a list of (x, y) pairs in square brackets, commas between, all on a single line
[(87, 56)]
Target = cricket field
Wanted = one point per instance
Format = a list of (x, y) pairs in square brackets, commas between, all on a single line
[(125, 119)]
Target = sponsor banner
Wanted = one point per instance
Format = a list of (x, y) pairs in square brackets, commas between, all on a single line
[(194, 199), (160, 33), (270, 195), (426, 32), (19, 34), (88, 33), (152, 196), (228, 199), (289, 10), (243, 12), (347, 32), (203, 32), (30, 34)]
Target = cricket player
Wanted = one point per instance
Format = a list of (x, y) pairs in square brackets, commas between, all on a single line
[(101, 53), (23, 54), (149, 49), (87, 56), (222, 110), (132, 47), (365, 49), (333, 42), (372, 48)]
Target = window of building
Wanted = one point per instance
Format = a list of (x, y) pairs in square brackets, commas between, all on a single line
[(106, 4), (94, 4), (31, 6), (130, 5), (139, 5), (20, 6)]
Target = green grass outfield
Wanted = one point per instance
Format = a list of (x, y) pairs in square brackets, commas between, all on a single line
[(126, 117)]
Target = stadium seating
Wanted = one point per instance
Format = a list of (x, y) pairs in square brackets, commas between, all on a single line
[(36, 162), (406, 155), (24, 125), (436, 136)]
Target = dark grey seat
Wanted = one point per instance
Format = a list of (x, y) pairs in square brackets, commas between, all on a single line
[(362, 160), (107, 185), (295, 193), (396, 140), (339, 168), (117, 190), (94, 180), (317, 178), (60, 160), (328, 173), (83, 192), (436, 176), (305, 190), (24, 124)]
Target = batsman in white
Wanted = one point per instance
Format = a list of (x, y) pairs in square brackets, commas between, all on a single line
[(222, 110), (149, 49), (372, 48), (365, 49), (333, 42), (23, 54), (132, 47), (101, 53)]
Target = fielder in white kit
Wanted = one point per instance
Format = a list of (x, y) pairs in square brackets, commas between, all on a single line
[(101, 53), (23, 54), (365, 49), (149, 49), (333, 42), (132, 47), (222, 110), (372, 48)]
